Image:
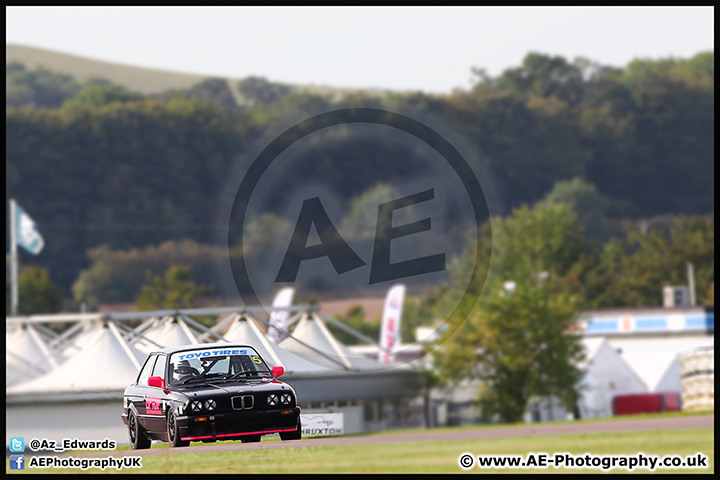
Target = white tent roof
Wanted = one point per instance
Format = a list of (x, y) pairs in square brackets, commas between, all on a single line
[(107, 363), (247, 332), (76, 343), (312, 331), (607, 374), (670, 381), (604, 366), (591, 345), (656, 359), (27, 356), (168, 332)]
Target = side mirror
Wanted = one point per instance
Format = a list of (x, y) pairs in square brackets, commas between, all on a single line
[(156, 382), (278, 371)]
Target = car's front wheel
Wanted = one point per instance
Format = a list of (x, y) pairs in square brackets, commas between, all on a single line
[(173, 432), (138, 440), (295, 435)]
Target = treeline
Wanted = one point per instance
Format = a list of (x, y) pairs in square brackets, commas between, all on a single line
[(546, 246), (543, 273), (95, 164)]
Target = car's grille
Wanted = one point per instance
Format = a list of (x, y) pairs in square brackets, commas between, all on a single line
[(244, 402)]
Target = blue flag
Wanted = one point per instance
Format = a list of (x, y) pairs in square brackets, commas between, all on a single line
[(26, 232)]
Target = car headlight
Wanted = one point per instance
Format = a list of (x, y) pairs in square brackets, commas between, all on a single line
[(210, 404), (196, 406), (272, 399), (286, 398)]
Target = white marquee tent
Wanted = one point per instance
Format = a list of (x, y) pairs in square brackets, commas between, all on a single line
[(27, 355), (245, 331), (607, 374), (102, 369), (88, 330), (312, 341), (167, 332), (656, 360)]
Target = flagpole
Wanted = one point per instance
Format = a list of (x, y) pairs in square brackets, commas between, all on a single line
[(13, 258)]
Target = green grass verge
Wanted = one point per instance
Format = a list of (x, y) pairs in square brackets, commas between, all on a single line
[(275, 437), (432, 457), (643, 416)]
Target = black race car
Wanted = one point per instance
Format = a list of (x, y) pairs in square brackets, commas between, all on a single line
[(206, 393)]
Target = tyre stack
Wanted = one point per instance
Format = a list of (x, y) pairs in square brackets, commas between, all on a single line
[(697, 378)]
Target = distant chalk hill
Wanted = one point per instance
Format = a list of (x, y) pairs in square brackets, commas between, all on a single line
[(144, 80), (139, 79)]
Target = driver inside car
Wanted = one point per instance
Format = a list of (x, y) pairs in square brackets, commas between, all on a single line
[(183, 371)]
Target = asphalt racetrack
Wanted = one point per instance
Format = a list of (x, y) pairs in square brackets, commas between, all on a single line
[(631, 425)]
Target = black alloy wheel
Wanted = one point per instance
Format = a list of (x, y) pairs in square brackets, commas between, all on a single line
[(173, 431), (138, 440)]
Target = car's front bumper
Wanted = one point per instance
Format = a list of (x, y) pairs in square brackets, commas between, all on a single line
[(235, 425)]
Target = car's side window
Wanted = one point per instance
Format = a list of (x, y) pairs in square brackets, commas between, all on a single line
[(159, 370), (145, 372)]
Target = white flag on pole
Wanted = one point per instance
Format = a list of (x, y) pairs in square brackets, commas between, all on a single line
[(278, 319), (28, 235), (390, 327)]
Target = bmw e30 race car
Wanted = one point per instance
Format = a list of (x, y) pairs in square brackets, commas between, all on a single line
[(208, 392)]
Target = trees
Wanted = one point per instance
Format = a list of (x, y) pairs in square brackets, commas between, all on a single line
[(98, 95), (585, 201), (419, 311), (518, 341), (361, 220), (175, 290), (543, 76), (40, 88), (36, 293), (130, 171), (260, 90), (639, 126), (129, 174), (518, 344), (114, 276), (632, 271), (525, 144), (708, 297), (355, 319), (214, 90)]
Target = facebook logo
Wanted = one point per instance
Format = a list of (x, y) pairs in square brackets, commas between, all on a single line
[(17, 444), (17, 462)]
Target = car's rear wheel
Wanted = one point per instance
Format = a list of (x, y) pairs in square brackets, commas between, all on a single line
[(138, 440), (296, 435), (173, 432), (250, 438)]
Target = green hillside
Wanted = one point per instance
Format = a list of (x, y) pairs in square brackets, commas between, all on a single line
[(110, 174)]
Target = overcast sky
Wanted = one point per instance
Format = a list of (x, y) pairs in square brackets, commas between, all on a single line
[(429, 49)]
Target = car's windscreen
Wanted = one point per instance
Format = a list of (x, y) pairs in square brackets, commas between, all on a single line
[(217, 364)]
